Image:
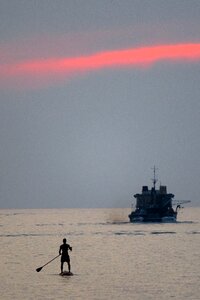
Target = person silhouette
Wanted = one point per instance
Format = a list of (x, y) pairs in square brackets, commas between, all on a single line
[(63, 251)]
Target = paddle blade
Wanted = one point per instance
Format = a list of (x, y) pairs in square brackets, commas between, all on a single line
[(39, 269)]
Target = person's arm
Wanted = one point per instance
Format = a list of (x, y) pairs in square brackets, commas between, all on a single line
[(60, 250), (70, 248)]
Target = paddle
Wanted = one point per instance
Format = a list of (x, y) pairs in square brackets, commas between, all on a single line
[(39, 269)]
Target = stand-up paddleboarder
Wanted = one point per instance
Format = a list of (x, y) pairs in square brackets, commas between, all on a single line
[(63, 251)]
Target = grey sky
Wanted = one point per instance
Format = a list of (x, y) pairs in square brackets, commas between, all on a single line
[(91, 141)]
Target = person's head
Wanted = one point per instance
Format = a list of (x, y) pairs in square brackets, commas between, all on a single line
[(64, 241)]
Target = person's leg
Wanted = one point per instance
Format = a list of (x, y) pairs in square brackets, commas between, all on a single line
[(62, 263), (69, 266)]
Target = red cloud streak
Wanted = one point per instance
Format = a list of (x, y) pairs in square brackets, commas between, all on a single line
[(135, 57)]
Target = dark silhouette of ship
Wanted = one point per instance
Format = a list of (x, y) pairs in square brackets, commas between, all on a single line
[(154, 205)]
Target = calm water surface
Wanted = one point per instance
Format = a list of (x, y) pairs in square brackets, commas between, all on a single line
[(111, 258)]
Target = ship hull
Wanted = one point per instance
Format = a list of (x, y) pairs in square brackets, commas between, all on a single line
[(134, 218)]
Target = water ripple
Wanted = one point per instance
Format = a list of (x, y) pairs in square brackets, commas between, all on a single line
[(163, 232)]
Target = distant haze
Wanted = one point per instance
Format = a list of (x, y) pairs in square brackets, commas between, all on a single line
[(93, 94)]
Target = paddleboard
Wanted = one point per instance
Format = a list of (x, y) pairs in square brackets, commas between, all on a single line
[(66, 273)]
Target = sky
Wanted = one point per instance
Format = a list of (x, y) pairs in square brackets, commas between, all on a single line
[(93, 95)]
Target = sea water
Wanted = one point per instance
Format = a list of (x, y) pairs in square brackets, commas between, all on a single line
[(111, 258)]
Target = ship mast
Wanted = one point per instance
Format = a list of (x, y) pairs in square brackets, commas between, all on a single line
[(154, 179)]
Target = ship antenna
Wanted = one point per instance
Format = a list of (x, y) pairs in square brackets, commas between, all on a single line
[(154, 179)]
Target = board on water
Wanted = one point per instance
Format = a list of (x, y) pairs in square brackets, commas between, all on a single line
[(66, 273)]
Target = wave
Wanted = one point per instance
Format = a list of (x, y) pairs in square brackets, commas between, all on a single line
[(130, 233), (53, 224), (40, 234), (163, 232)]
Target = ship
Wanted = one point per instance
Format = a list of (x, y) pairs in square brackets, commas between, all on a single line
[(154, 205)]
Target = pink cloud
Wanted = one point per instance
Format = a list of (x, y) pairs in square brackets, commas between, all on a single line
[(57, 68)]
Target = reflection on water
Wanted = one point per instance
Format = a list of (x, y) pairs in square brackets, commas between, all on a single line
[(111, 257)]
